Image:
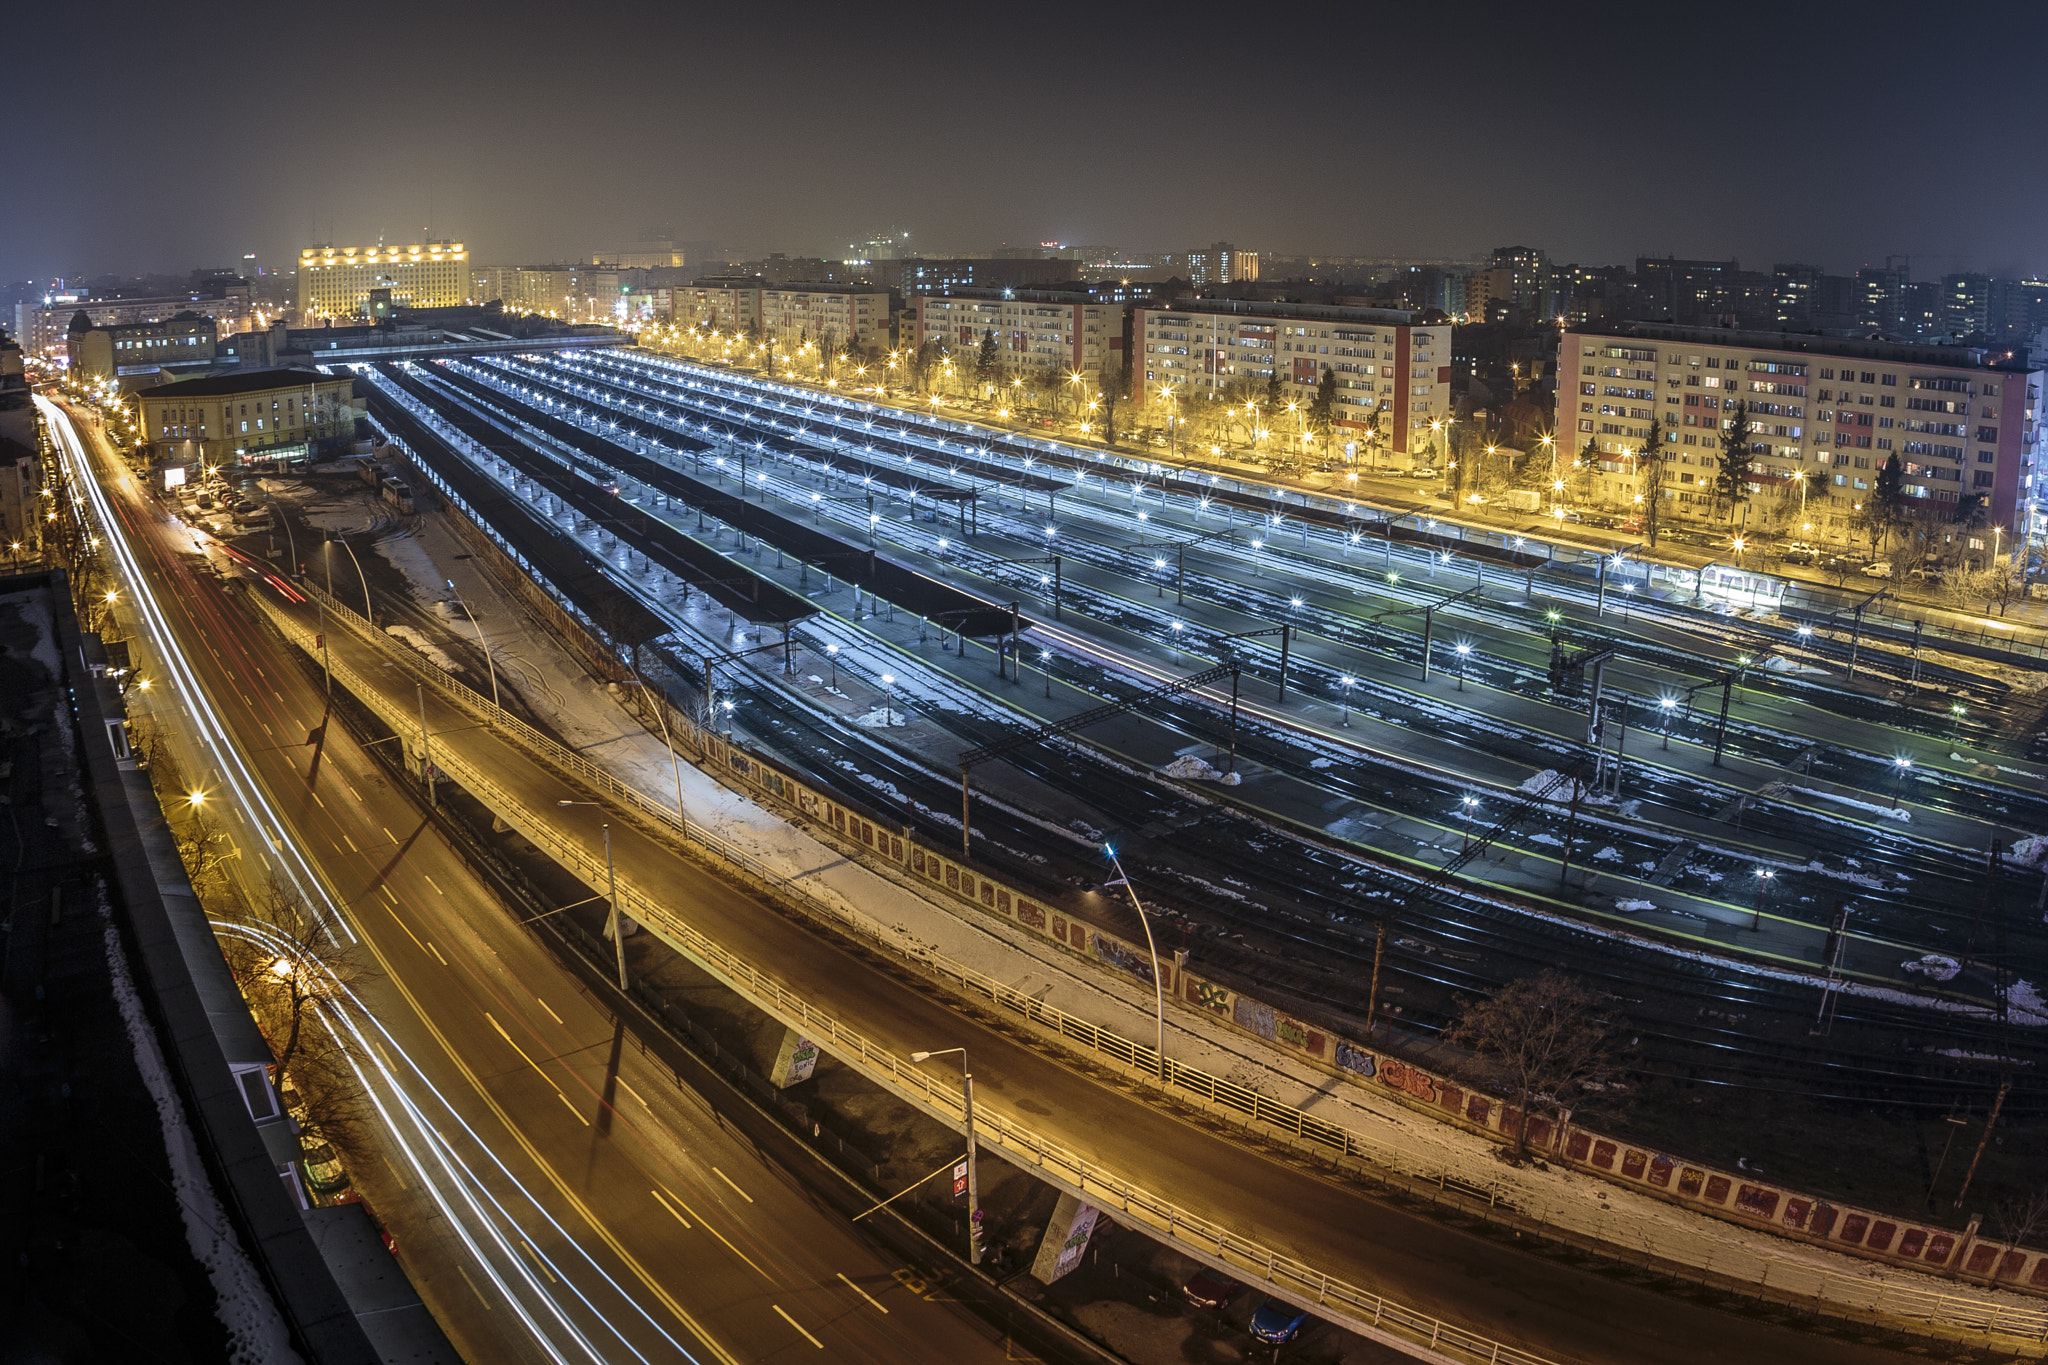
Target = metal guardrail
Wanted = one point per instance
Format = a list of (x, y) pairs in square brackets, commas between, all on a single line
[(1784, 1275)]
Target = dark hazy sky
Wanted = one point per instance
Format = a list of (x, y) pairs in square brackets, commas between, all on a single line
[(164, 136)]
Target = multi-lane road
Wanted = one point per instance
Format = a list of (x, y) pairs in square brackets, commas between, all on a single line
[(557, 1194)]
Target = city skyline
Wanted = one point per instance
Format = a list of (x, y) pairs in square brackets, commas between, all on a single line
[(1600, 140)]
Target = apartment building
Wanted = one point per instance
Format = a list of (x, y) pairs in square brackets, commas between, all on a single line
[(572, 293), (335, 282), (788, 313), (838, 313), (1221, 263), (1381, 358), (1035, 329), (1825, 415), (49, 326)]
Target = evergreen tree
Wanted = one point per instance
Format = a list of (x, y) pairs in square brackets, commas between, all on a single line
[(1653, 479), (1887, 501), (1731, 484), (1322, 409), (987, 361)]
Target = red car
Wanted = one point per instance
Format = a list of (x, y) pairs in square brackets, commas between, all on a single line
[(1211, 1288)]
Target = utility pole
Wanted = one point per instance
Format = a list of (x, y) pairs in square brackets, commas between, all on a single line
[(426, 754), (2004, 1086), (1372, 999), (1571, 825)]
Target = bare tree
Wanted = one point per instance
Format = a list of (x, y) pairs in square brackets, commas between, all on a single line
[(1550, 1034), (2019, 1217), (299, 985)]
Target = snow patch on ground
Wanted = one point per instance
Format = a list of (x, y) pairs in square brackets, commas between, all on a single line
[(882, 717), (1934, 967), (1902, 815), (1195, 769), (420, 642), (255, 1331), (1631, 907), (1609, 854)]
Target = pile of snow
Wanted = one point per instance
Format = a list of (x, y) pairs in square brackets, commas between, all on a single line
[(1192, 768), (1631, 907), (434, 652), (1778, 663), (1609, 854), (883, 717), (1902, 815), (2030, 850), (1934, 967)]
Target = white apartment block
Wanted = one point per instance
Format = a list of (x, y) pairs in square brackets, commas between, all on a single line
[(1824, 412), (1381, 359), (1035, 329), (826, 313), (789, 313)]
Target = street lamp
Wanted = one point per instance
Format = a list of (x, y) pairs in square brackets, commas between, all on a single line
[(1348, 682), (1763, 886), (888, 700), (1466, 805), (615, 925), (967, 1117), (1464, 653), (1045, 667), (1899, 767), (832, 653), (1158, 981), (1667, 705), (489, 662)]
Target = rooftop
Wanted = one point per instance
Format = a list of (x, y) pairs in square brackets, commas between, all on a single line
[(222, 385), (1897, 352), (1319, 312)]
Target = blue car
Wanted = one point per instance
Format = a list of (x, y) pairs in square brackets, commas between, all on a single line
[(1277, 1322)]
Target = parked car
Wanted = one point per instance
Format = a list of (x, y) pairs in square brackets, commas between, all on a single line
[(1799, 552), (1881, 569), (324, 1171), (1926, 575), (1276, 1322), (1211, 1288), (352, 1197)]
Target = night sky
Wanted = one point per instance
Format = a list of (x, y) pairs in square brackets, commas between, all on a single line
[(162, 136)]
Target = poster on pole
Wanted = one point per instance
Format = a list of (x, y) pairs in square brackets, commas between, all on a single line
[(959, 1179), (1066, 1238)]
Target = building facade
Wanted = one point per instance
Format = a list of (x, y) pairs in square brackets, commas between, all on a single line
[(252, 417), (816, 312), (1035, 330), (1382, 360), (334, 282), (137, 353), (1825, 415), (49, 326), (826, 313), (1222, 263)]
